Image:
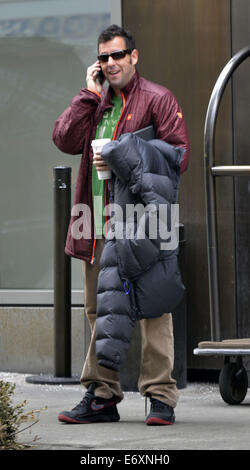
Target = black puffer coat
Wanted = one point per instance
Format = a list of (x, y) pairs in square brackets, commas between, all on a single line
[(138, 279)]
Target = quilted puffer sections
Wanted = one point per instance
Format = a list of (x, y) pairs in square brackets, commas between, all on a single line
[(130, 157), (160, 289), (149, 172), (143, 241), (113, 336), (115, 320)]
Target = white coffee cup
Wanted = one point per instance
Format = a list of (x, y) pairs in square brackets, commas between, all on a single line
[(97, 146)]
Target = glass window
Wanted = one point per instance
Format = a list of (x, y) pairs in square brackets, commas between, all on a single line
[(45, 48)]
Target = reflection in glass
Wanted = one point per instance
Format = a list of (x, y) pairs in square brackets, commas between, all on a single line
[(45, 48)]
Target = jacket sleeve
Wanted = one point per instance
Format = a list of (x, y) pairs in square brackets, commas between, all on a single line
[(170, 125), (70, 128)]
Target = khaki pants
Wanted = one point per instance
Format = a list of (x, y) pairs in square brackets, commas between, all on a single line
[(157, 350)]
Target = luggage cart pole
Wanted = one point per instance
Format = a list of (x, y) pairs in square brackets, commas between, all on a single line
[(233, 379), (210, 172)]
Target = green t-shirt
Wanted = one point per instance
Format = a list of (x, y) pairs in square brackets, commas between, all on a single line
[(105, 129)]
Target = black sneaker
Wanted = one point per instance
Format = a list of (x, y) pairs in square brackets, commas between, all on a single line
[(160, 413), (91, 409)]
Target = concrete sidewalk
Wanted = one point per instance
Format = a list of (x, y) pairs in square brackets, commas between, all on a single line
[(203, 421)]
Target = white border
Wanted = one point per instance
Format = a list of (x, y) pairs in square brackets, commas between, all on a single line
[(10, 297)]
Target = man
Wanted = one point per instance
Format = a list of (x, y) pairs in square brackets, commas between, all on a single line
[(128, 104)]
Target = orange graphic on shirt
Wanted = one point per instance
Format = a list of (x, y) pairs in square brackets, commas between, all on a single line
[(179, 115)]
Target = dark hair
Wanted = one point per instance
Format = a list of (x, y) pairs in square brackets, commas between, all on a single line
[(112, 31)]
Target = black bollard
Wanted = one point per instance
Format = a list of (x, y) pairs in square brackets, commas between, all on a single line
[(62, 273), (62, 283)]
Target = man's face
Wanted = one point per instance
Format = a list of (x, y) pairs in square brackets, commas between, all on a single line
[(118, 72)]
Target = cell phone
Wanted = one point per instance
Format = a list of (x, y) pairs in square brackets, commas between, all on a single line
[(100, 77)]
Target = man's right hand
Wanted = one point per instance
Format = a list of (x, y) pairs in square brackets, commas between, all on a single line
[(91, 77)]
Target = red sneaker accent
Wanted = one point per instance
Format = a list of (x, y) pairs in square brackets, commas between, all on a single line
[(67, 419), (158, 421)]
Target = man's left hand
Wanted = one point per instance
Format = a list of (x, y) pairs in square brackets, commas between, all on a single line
[(99, 162)]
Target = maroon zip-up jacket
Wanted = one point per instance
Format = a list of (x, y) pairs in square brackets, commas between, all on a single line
[(144, 103)]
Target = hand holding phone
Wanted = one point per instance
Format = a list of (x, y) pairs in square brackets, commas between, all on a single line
[(95, 77)]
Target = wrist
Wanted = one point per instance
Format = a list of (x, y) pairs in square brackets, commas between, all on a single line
[(94, 91)]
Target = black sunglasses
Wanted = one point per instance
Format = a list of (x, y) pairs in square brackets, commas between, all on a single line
[(115, 55)]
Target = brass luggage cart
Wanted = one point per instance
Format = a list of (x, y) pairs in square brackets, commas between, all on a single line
[(233, 379)]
